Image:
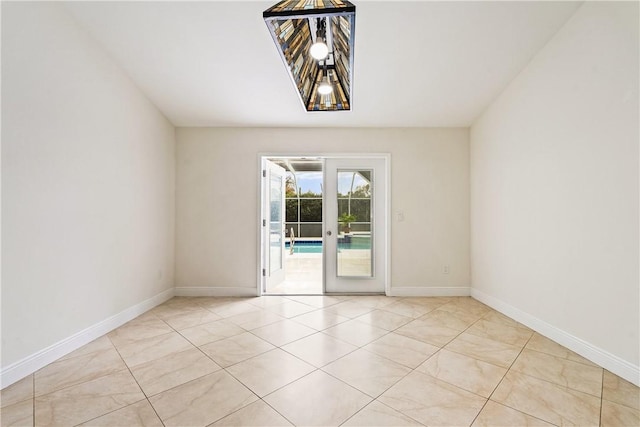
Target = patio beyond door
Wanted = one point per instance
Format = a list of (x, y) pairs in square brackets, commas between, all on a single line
[(355, 225)]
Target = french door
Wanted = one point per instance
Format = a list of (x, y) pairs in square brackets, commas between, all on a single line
[(273, 224), (355, 225), (355, 236)]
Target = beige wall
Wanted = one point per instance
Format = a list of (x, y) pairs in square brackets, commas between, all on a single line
[(87, 184), (554, 187), (217, 200)]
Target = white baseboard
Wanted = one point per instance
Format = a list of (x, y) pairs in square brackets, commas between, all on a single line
[(609, 361), (424, 291), (30, 364), (215, 291)]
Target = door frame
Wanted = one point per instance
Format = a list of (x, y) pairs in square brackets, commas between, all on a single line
[(322, 155)]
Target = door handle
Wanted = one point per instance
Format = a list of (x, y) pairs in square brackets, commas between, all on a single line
[(329, 233)]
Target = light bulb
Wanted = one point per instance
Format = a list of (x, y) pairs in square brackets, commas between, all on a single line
[(325, 88), (319, 50)]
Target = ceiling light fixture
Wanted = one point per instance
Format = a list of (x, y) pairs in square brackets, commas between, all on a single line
[(325, 87), (320, 67), (319, 49)]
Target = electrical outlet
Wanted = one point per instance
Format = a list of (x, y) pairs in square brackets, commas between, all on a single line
[(445, 269)]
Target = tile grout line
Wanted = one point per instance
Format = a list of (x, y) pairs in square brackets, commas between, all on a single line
[(277, 412), (381, 403), (502, 379), (623, 404), (33, 397), (548, 353), (564, 387), (198, 347), (487, 398), (318, 368), (500, 382), (195, 346), (333, 361), (242, 407), (601, 398), (223, 368), (113, 346), (443, 348), (280, 388), (230, 374), (375, 399), (139, 386), (76, 384), (145, 394), (412, 369)]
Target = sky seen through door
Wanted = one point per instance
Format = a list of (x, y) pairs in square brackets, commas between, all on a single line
[(312, 182)]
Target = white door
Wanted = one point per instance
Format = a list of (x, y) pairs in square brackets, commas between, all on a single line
[(356, 226), (273, 224)]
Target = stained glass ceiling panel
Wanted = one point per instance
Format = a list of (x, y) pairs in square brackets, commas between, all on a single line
[(309, 6), (294, 26)]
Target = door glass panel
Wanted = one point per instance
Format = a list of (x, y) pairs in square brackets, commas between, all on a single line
[(275, 223), (355, 215)]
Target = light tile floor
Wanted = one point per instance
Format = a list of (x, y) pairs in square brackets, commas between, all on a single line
[(322, 360)]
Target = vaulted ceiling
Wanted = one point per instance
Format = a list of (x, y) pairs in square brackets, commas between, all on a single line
[(417, 64)]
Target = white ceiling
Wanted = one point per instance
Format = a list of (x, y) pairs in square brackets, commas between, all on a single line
[(417, 64)]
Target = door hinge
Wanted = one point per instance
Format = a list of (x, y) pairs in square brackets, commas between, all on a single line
[(264, 272), (264, 173), (264, 222)]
